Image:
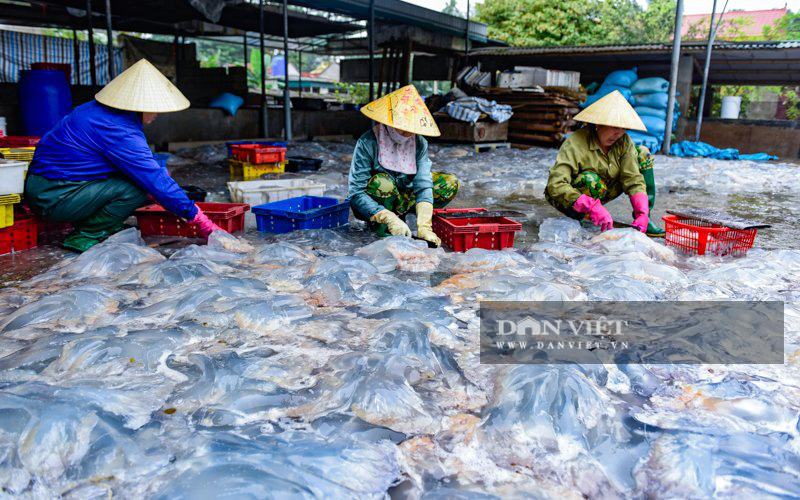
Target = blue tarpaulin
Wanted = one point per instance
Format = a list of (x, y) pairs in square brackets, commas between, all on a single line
[(690, 149), (19, 50)]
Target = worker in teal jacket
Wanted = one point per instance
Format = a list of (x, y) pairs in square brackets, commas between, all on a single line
[(391, 173), (95, 167)]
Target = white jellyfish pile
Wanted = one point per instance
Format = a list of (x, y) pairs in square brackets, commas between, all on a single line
[(329, 364)]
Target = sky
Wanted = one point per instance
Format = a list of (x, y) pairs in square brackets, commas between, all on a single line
[(689, 6)]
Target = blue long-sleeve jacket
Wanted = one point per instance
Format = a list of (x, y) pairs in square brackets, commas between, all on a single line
[(96, 142), (365, 165)]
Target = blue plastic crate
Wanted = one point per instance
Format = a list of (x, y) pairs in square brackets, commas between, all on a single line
[(277, 144), (161, 158), (302, 212)]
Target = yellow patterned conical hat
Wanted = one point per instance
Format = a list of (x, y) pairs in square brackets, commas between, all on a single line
[(142, 88), (405, 110), (612, 110)]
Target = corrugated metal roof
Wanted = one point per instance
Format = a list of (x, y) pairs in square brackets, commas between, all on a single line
[(650, 47)]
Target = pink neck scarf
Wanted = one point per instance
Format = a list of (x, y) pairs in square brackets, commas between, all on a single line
[(396, 152)]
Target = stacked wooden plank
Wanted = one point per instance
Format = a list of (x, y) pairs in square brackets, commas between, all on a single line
[(542, 115)]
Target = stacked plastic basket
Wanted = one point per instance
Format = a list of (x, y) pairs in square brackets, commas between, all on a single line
[(249, 160), (18, 229)]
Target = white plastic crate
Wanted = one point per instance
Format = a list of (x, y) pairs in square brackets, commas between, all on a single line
[(12, 176), (531, 76), (260, 192)]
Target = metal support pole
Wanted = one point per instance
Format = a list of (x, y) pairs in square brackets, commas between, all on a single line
[(300, 72), (262, 118), (673, 76), (92, 64), (287, 102), (702, 103), (371, 34), (110, 44)]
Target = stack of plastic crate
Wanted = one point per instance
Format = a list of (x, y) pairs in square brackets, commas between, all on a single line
[(250, 161), (16, 232)]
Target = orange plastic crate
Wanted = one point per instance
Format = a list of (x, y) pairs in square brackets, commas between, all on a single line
[(256, 153), (698, 237)]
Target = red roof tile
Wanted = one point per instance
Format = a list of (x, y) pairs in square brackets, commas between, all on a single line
[(758, 20)]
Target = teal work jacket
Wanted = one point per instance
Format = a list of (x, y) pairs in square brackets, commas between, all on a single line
[(365, 165)]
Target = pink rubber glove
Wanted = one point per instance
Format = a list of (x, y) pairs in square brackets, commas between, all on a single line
[(597, 212), (641, 211), (204, 224)]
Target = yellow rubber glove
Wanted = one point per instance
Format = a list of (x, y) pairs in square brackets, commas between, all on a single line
[(396, 226), (424, 225)]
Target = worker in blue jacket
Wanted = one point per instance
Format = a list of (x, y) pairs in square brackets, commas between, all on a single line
[(95, 167)]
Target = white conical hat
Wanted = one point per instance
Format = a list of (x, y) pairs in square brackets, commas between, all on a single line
[(612, 110), (403, 109), (142, 88)]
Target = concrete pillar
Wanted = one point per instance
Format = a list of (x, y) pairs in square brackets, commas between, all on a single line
[(684, 86)]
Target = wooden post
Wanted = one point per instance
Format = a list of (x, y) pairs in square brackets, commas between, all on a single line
[(92, 63), (76, 56), (244, 47), (406, 78), (371, 34), (383, 66), (110, 44)]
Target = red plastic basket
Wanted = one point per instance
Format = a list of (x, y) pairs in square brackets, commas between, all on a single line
[(698, 237), (490, 233), (155, 220), (18, 141), (21, 236), (256, 153)]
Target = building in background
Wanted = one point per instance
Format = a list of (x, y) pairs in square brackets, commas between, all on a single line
[(736, 24)]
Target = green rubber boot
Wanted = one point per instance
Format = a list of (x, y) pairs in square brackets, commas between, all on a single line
[(89, 232), (650, 182)]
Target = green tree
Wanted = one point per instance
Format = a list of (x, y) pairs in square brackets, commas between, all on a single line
[(615, 18), (310, 61), (577, 22), (541, 22), (658, 21), (785, 28)]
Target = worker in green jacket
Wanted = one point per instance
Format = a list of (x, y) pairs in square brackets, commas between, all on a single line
[(599, 162), (391, 173)]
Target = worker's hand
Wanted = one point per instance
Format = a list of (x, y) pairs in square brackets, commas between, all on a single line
[(425, 225), (204, 225), (641, 211), (396, 226), (597, 212)]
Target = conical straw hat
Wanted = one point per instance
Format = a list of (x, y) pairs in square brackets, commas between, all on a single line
[(142, 88), (612, 110), (403, 109)]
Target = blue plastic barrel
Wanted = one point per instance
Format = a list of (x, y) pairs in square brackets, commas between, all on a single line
[(44, 98)]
